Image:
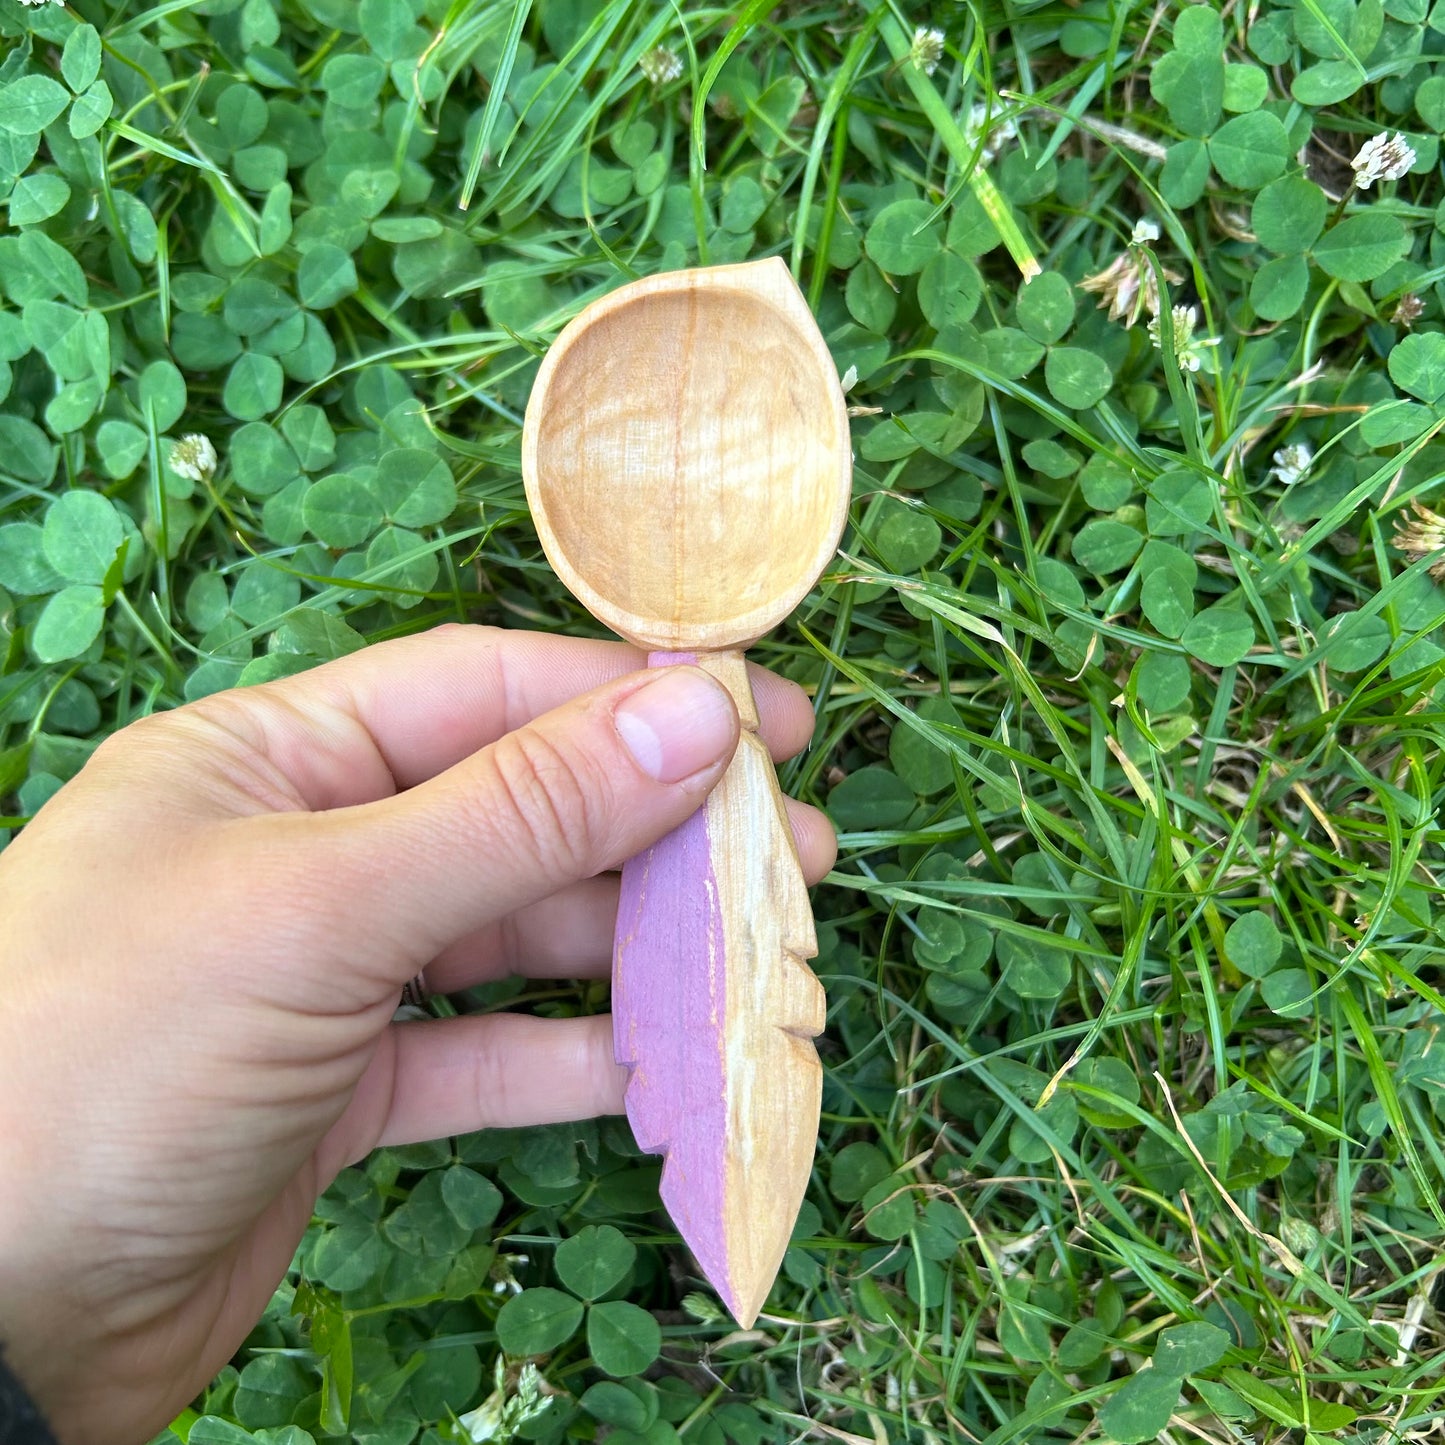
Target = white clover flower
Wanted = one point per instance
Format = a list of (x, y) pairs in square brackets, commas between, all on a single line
[(660, 65), (849, 380), (1408, 310), (42, 2), (504, 1280), (194, 458), (1291, 463), (1183, 318), (927, 49), (1382, 158), (978, 129), (1189, 349), (1128, 285), (504, 1412), (1422, 536)]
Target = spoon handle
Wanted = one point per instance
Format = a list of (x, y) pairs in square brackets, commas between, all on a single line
[(714, 1011)]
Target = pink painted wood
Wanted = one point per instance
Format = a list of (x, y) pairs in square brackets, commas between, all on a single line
[(668, 1003)]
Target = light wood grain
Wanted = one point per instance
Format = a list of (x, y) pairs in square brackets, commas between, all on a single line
[(775, 1008), (687, 460), (682, 454)]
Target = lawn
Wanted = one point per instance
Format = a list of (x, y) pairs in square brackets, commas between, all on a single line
[(1129, 676)]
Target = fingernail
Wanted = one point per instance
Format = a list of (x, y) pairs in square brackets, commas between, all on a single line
[(678, 725)]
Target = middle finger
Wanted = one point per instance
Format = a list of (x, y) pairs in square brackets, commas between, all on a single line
[(569, 935)]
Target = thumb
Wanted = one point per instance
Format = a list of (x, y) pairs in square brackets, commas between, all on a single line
[(574, 792)]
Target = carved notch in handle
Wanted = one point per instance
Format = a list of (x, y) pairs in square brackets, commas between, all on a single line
[(714, 1011)]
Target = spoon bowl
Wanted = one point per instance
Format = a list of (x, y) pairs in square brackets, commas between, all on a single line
[(686, 456)]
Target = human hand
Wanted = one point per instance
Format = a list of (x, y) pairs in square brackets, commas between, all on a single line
[(204, 935)]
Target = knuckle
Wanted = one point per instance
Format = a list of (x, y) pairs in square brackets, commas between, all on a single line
[(547, 803), (491, 1085), (471, 636), (482, 649), (153, 728), (115, 749), (138, 749), (224, 712), (457, 632), (598, 1054), (221, 750)]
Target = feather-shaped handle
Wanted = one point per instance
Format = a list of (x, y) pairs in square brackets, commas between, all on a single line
[(714, 1011)]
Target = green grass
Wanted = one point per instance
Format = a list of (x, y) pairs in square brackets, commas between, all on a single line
[(1132, 949)]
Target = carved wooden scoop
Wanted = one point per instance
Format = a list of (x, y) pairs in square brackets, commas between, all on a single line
[(687, 460)]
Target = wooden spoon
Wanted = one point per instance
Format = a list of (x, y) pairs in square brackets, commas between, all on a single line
[(687, 460)]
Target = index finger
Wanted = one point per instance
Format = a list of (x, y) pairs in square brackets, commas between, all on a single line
[(398, 713)]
